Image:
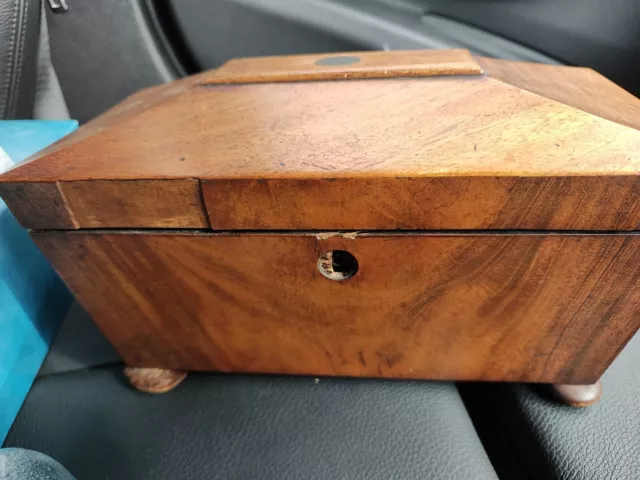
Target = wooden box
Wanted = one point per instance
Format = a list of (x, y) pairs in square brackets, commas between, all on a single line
[(424, 215)]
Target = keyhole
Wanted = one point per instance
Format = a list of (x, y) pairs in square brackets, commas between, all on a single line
[(338, 265)]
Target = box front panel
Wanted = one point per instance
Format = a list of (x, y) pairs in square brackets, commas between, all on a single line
[(516, 307), (438, 203)]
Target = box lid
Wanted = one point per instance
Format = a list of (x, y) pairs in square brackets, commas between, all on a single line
[(420, 140)]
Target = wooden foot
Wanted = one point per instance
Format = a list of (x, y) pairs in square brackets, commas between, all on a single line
[(154, 380), (579, 395)]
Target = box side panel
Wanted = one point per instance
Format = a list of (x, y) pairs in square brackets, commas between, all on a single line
[(38, 205), (107, 204), (446, 203), (136, 203)]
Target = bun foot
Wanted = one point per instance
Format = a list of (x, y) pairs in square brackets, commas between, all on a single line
[(154, 380), (578, 395)]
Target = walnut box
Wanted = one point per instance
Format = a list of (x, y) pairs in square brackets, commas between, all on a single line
[(425, 214)]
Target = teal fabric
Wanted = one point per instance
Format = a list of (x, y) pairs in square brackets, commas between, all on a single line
[(33, 300)]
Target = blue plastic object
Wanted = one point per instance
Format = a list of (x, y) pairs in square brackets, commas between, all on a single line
[(33, 300)]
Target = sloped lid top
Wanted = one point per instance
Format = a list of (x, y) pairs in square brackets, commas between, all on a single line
[(253, 135)]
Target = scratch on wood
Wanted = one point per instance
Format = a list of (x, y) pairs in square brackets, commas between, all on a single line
[(361, 358), (326, 235)]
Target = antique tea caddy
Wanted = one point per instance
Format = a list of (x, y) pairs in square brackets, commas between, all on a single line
[(425, 215)]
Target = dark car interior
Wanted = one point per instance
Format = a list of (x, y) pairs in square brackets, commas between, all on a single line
[(76, 59)]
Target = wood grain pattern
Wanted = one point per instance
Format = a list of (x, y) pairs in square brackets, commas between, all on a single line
[(462, 151), (136, 203), (144, 99), (441, 203), (38, 205), (580, 88), (340, 66), (536, 308), (423, 127), (137, 102)]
